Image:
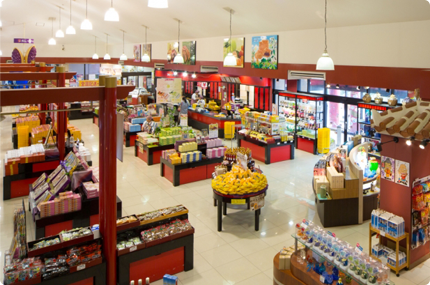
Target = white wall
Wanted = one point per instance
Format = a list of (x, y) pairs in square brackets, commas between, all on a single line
[(389, 45)]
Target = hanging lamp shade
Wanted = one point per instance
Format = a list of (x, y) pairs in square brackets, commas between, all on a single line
[(123, 57), (146, 58), (178, 58), (1, 53), (59, 34), (70, 30), (52, 42), (106, 57), (325, 62), (158, 4), (95, 56), (111, 15), (86, 25), (230, 60)]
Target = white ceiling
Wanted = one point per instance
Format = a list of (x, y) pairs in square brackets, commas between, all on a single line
[(201, 18)]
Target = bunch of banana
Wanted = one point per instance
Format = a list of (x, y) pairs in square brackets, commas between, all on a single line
[(239, 182)]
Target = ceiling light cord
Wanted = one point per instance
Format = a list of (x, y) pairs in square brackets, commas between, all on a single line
[(111, 3), (95, 44), (70, 12), (325, 26), (52, 27), (107, 42), (123, 37), (59, 26), (86, 9), (230, 30), (179, 35), (146, 31)]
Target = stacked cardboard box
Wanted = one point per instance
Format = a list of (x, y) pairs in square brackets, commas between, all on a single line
[(215, 152), (91, 189), (38, 133), (66, 202)]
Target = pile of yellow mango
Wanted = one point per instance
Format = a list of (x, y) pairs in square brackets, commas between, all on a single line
[(239, 182)]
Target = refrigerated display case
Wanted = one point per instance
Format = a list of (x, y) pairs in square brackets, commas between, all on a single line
[(287, 109)]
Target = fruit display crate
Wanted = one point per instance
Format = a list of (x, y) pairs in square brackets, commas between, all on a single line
[(180, 174), (267, 153)]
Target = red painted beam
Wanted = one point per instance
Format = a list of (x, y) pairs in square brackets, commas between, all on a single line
[(32, 75), (13, 97), (12, 68), (17, 64)]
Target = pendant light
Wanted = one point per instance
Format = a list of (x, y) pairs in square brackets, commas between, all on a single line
[(107, 56), (52, 41), (59, 33), (325, 62), (179, 58), (158, 4), (95, 55), (230, 59), (111, 14), (86, 24), (123, 56), (145, 57), (70, 29)]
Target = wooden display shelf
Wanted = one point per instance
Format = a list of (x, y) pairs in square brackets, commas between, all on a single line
[(397, 268), (267, 153), (202, 121), (163, 218)]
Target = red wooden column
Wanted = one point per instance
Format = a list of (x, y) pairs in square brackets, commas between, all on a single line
[(43, 107), (108, 177), (61, 116), (102, 82)]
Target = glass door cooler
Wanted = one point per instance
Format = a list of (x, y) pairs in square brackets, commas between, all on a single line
[(309, 117)]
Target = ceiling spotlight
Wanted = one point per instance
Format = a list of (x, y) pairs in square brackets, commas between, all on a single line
[(337, 86), (184, 74), (175, 73), (158, 4), (328, 85), (409, 141), (424, 144), (193, 75), (358, 87), (367, 87)]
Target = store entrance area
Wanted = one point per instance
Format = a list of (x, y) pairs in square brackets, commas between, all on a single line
[(238, 254)]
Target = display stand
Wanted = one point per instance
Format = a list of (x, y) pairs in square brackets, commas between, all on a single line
[(202, 121), (223, 200), (171, 257), (307, 144), (267, 153), (17, 185), (188, 172), (79, 114), (151, 155), (87, 216), (397, 268), (130, 138), (95, 119)]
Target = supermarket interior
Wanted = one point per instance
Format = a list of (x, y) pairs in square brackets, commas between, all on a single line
[(289, 146)]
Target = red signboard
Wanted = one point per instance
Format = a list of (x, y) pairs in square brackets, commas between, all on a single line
[(373, 107)]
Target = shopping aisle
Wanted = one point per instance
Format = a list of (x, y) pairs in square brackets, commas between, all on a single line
[(238, 255)]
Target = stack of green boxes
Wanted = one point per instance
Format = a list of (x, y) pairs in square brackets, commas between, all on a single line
[(169, 136)]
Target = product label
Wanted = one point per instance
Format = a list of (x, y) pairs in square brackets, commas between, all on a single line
[(322, 279), (382, 233), (257, 202), (80, 267), (133, 248), (358, 248), (238, 201)]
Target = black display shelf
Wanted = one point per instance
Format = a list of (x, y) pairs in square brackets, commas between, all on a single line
[(151, 155), (188, 172), (130, 138), (263, 152), (78, 115), (81, 218)]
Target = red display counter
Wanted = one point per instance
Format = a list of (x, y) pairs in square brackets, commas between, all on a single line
[(151, 155), (307, 144), (267, 153), (189, 172), (202, 121)]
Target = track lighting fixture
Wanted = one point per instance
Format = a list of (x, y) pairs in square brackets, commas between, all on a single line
[(423, 144), (379, 145), (409, 141)]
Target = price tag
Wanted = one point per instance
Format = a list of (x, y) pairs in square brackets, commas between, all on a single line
[(358, 248), (238, 201), (133, 248), (322, 279), (80, 267), (382, 233), (257, 202)]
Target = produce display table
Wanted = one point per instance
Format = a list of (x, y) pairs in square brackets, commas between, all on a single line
[(342, 212), (267, 153), (202, 121), (223, 200), (130, 138), (17, 185), (151, 155), (87, 216), (189, 172), (171, 256)]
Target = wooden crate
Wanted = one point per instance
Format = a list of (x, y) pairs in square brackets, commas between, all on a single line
[(320, 181), (343, 193), (337, 180)]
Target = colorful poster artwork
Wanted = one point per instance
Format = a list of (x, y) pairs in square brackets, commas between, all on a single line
[(136, 53), (402, 173), (387, 168), (264, 52), (189, 52), (169, 90), (172, 51)]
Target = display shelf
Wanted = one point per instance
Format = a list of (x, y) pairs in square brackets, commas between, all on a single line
[(130, 138), (397, 240), (162, 218), (151, 155), (79, 114), (267, 153), (374, 154), (372, 138), (184, 173), (202, 121)]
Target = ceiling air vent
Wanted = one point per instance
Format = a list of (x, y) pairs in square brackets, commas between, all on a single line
[(159, 65), (208, 69), (294, 74)]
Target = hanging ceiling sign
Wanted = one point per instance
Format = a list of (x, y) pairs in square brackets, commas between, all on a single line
[(23, 41)]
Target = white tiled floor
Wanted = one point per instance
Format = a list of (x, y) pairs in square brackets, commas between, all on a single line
[(238, 255)]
